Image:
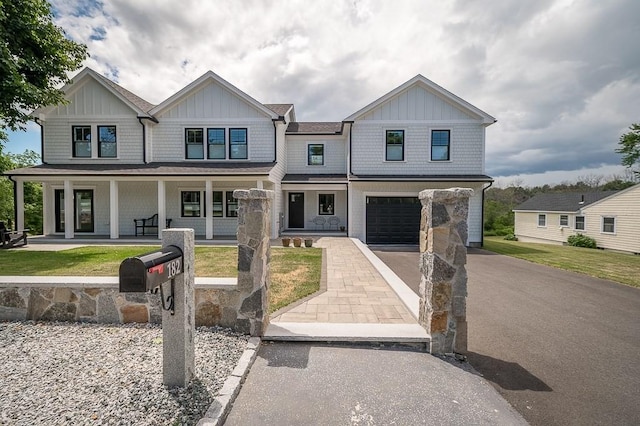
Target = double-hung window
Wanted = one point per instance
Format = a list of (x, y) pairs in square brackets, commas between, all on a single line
[(608, 224), (394, 145), (232, 205), (81, 141), (440, 143), (107, 142), (315, 154), (194, 144), (191, 204), (564, 220), (326, 204), (580, 223), (238, 144), (215, 144), (218, 204), (542, 220)]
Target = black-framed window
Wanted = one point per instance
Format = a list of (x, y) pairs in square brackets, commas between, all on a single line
[(542, 220), (218, 204), (190, 201), (194, 144), (394, 145), (564, 220), (81, 141), (238, 144), (580, 224), (232, 205), (216, 144), (608, 224), (326, 204), (315, 154), (107, 142), (440, 144)]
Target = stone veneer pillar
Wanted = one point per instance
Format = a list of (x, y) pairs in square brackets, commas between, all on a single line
[(443, 254), (254, 230)]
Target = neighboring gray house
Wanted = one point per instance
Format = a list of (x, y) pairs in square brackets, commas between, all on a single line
[(110, 157), (612, 218)]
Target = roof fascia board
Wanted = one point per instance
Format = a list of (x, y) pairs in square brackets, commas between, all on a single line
[(547, 211), (211, 76)]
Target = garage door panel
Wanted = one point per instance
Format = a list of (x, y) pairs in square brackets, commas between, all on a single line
[(392, 220)]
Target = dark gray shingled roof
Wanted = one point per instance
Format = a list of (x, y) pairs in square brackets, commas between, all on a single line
[(134, 99), (299, 178), (280, 109), (152, 169), (562, 201), (315, 128), (423, 178)]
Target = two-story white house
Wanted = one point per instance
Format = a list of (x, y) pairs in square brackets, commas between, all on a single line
[(110, 157)]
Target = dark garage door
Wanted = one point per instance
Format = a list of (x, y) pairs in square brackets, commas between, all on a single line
[(393, 220)]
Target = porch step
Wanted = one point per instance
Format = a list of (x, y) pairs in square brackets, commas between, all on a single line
[(412, 334)]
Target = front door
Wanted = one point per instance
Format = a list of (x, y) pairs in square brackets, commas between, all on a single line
[(296, 210), (82, 210)]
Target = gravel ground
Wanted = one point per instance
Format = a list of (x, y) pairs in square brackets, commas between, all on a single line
[(96, 374)]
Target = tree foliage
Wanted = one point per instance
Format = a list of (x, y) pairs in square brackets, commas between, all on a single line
[(630, 147), (32, 191), (35, 56)]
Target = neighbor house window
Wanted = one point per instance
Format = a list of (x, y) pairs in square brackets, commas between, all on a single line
[(238, 144), (440, 141), (194, 144), (190, 203), (542, 220), (564, 220), (580, 223), (395, 145), (326, 204), (217, 204), (81, 141), (107, 145), (215, 144), (315, 154), (232, 205), (609, 225)]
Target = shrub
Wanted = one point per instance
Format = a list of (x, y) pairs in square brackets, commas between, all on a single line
[(511, 237), (580, 240)]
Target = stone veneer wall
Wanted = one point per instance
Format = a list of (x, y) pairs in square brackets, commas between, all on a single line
[(443, 286)]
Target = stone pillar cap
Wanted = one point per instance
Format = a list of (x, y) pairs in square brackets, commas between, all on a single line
[(254, 193), (445, 194)]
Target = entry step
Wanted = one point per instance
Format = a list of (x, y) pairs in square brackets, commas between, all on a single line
[(346, 332)]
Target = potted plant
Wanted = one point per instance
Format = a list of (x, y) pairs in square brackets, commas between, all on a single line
[(297, 242), (308, 242), (342, 229), (286, 241)]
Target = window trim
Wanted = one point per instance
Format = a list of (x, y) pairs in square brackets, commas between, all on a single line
[(320, 213), (431, 144), (186, 143), (309, 145), (200, 200), (227, 204), (602, 231), (74, 141), (386, 145), (246, 143), (115, 142), (584, 223), (213, 212), (224, 143), (542, 215), (560, 220)]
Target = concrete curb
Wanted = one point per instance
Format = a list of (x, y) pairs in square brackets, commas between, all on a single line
[(221, 405)]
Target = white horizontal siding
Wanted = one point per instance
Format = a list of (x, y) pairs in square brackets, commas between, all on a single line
[(335, 156), (526, 227), (360, 190), (416, 103), (368, 149)]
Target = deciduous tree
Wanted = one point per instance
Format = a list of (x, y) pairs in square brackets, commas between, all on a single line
[(630, 148)]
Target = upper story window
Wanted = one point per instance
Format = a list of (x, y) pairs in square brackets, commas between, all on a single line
[(564, 220), (440, 144), (107, 142), (190, 203), (238, 144), (81, 141), (315, 154), (580, 223), (216, 144), (394, 145), (194, 144), (608, 224), (542, 220)]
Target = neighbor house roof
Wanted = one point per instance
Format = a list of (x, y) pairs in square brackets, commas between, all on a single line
[(562, 201), (314, 128)]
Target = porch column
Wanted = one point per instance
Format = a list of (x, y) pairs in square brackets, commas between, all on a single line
[(162, 209), (47, 209), (69, 223), (19, 205), (208, 210), (114, 210), (259, 184)]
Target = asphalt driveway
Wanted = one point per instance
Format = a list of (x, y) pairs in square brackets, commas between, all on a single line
[(561, 347)]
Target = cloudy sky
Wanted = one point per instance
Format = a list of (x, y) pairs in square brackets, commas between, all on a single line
[(561, 76)]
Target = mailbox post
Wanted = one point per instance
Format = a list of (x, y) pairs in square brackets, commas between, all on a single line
[(172, 266)]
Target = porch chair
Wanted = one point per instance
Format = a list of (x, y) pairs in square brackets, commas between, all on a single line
[(334, 221), (319, 221), (10, 238)]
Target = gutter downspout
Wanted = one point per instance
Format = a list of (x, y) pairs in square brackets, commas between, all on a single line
[(37, 120), (275, 137), (15, 200), (144, 141), (482, 214)]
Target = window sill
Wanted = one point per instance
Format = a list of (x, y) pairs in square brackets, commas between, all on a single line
[(440, 161), (92, 158)]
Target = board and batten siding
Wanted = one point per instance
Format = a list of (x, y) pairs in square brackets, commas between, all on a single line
[(369, 143), (527, 230), (625, 207), (360, 190), (92, 105), (335, 155)]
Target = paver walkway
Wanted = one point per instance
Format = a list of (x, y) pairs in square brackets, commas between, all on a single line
[(356, 292)]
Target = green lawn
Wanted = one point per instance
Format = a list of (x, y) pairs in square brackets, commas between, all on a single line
[(620, 267), (295, 273)]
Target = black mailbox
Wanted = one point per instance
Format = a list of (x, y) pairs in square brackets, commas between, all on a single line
[(145, 272)]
